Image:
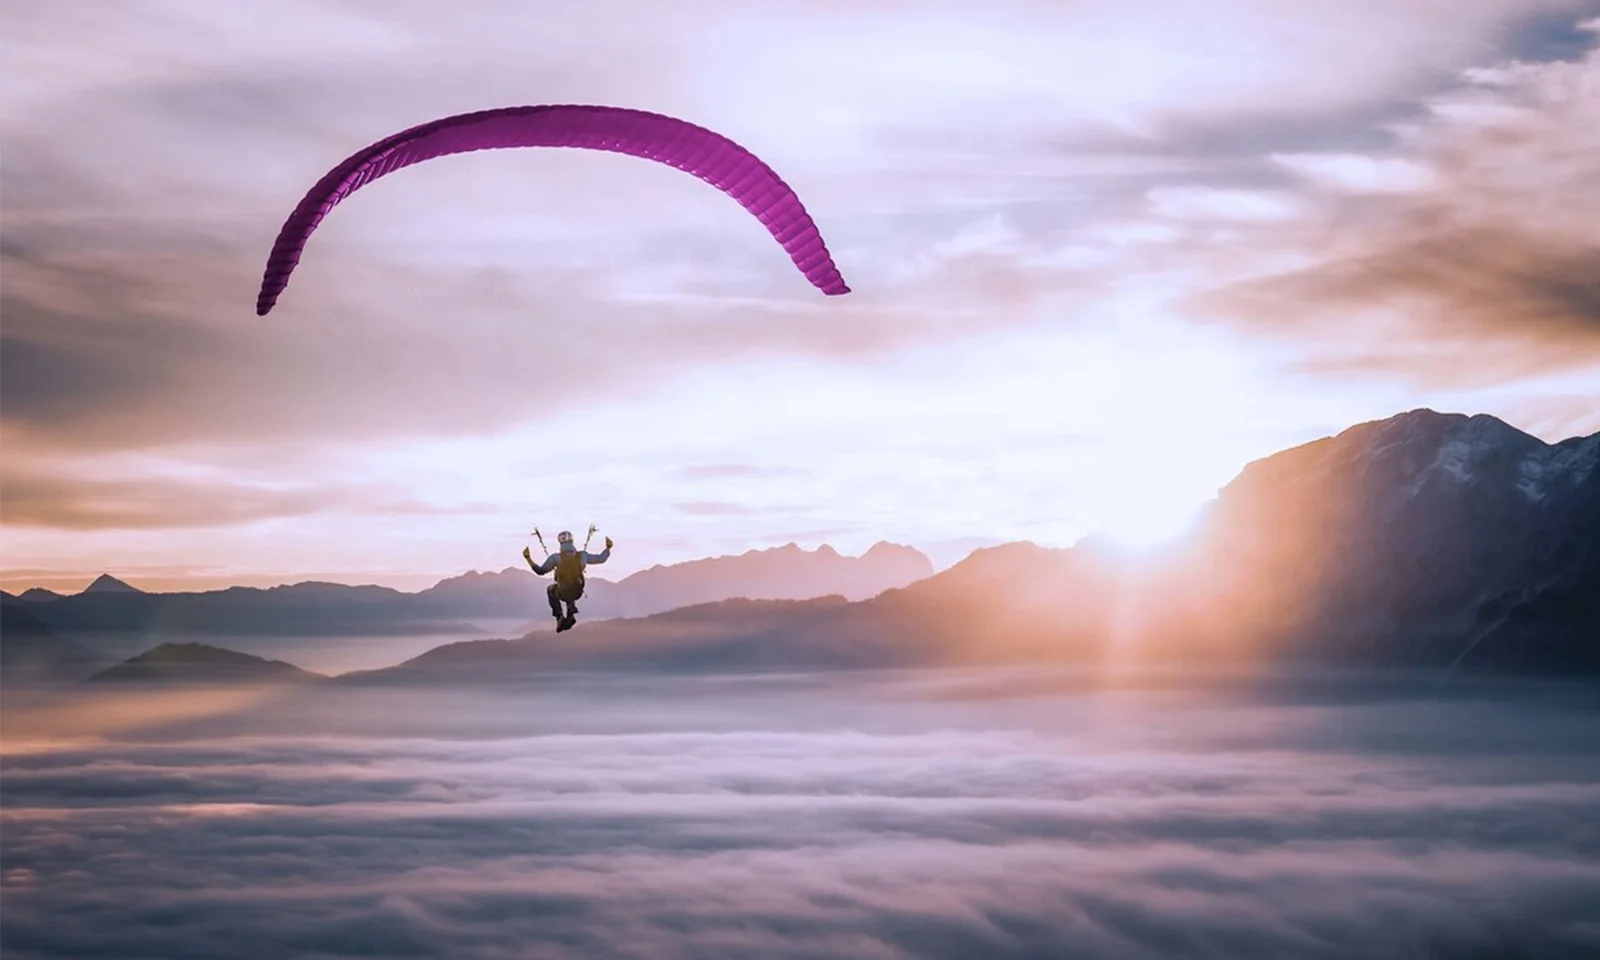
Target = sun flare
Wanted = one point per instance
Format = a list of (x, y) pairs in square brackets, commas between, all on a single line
[(1154, 496), (1139, 527)]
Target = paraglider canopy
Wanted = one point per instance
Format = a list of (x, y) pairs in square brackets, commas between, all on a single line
[(653, 136)]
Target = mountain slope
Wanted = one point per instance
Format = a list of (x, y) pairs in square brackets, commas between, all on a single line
[(780, 573), (198, 663), (302, 608), (1426, 540), (109, 606), (1394, 541), (106, 583), (688, 637), (30, 652), (1423, 541)]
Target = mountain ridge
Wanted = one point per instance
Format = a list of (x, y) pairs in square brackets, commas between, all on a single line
[(106, 583), (1427, 540), (1430, 541), (316, 608)]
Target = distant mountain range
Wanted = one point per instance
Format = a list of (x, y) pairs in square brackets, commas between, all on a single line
[(779, 573), (1425, 541), (109, 606), (1430, 541), (782, 573)]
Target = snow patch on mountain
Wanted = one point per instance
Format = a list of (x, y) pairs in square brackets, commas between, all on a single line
[(1569, 463), (1528, 483)]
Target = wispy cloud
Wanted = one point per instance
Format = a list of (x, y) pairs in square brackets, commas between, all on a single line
[(1470, 254)]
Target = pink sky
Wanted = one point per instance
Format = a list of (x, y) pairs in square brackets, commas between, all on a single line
[(1103, 257)]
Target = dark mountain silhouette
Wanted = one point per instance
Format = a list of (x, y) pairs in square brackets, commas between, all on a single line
[(1426, 538), (30, 652), (199, 663), (326, 609), (106, 583), (38, 595), (781, 573), (16, 620), (1424, 541), (314, 609), (970, 614), (695, 636)]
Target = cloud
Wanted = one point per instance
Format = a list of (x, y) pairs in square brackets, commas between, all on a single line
[(734, 471), (423, 309), (129, 279), (713, 508), (1356, 173), (1183, 203), (737, 820), (79, 503), (88, 505), (1469, 255)]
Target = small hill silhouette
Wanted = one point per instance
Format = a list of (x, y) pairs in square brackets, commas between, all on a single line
[(202, 663)]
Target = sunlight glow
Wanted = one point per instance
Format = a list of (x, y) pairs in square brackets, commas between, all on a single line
[(1141, 525), (1151, 498)]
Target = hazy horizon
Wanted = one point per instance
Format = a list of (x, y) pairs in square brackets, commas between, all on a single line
[(1101, 257), (20, 580), (942, 558)]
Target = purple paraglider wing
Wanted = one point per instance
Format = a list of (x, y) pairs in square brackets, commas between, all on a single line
[(692, 149)]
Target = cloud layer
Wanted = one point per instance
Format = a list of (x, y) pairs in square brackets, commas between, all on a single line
[(926, 818)]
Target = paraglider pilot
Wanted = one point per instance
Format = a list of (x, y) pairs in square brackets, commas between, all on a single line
[(568, 563)]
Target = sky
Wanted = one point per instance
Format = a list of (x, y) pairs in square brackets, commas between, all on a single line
[(1102, 255)]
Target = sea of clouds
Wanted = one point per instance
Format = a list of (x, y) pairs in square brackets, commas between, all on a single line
[(877, 816)]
